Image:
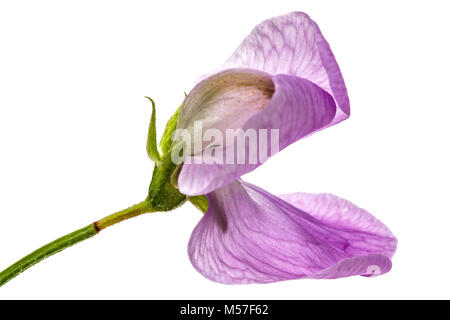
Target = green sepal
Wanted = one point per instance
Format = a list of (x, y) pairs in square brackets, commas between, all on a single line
[(152, 148), (200, 202), (162, 195), (166, 139)]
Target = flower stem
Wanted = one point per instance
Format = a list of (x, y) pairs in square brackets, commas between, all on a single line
[(133, 211), (71, 239)]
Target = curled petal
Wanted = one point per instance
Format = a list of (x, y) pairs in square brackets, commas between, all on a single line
[(224, 101), (250, 236), (293, 44), (290, 56), (296, 109)]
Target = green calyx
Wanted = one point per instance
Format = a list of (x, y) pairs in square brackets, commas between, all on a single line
[(163, 193)]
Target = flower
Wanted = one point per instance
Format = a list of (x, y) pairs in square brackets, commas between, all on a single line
[(283, 76), (280, 85)]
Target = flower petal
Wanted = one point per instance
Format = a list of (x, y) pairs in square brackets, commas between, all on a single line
[(345, 216), (293, 44), (297, 108), (310, 94), (225, 100), (250, 236)]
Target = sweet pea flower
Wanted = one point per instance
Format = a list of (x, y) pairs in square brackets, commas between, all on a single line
[(283, 76), (282, 84)]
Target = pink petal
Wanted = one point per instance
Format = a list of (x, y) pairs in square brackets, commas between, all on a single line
[(297, 108), (293, 44), (346, 217), (250, 236), (310, 94)]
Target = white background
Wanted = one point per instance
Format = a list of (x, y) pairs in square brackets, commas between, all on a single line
[(73, 124)]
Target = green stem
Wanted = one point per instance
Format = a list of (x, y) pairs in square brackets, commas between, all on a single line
[(46, 251), (71, 239), (133, 211)]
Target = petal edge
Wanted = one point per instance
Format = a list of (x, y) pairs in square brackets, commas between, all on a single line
[(251, 236)]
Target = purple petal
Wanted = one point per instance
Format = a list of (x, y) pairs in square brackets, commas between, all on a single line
[(250, 236), (343, 214), (297, 108), (293, 44), (310, 94)]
